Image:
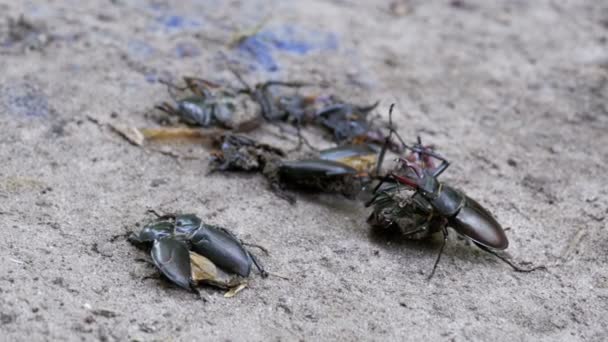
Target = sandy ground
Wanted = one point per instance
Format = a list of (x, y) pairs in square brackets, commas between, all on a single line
[(514, 93)]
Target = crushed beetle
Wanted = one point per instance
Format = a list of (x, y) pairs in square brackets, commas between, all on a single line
[(344, 170), (434, 206), (349, 125), (209, 104), (240, 153), (294, 109), (189, 252)]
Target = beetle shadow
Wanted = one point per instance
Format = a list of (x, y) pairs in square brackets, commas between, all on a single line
[(458, 249), (341, 205), (393, 239)]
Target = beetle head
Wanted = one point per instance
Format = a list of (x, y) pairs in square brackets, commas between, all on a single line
[(187, 224), (417, 178)]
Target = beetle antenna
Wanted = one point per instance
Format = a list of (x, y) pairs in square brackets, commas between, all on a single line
[(375, 191), (152, 211), (392, 129), (240, 79), (170, 87), (515, 267)]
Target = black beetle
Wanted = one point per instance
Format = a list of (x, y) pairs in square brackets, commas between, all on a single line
[(440, 204), (338, 170), (188, 251), (346, 121), (315, 175), (344, 170), (210, 104)]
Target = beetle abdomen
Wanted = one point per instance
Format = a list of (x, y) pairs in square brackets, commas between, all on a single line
[(475, 222), (222, 249), (306, 169), (172, 258), (196, 112)]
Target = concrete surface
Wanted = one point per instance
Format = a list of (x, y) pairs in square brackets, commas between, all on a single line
[(514, 93)]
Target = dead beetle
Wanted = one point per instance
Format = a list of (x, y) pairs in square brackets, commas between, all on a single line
[(210, 104), (294, 109), (362, 157), (317, 175), (345, 121), (188, 251), (344, 170), (241, 153), (442, 205)]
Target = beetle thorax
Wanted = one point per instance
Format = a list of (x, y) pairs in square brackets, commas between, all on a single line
[(447, 201), (429, 187)]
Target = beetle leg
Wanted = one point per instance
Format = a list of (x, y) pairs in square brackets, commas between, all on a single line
[(194, 80), (515, 267), (171, 86), (302, 140), (167, 108), (383, 152), (384, 179), (445, 239), (417, 230), (258, 265), (387, 140), (159, 217), (276, 188), (268, 84), (266, 109), (420, 150), (262, 248)]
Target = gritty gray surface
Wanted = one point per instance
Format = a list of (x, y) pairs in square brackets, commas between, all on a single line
[(514, 93)]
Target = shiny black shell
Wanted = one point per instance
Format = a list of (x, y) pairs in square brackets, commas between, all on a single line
[(153, 231), (349, 151), (306, 169), (172, 258), (222, 248), (187, 223)]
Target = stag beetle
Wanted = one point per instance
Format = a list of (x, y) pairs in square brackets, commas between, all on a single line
[(188, 252), (345, 170), (442, 205), (339, 170), (345, 121), (315, 175)]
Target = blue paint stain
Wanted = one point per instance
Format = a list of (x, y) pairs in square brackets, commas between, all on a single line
[(172, 23), (257, 49), (264, 46), (151, 77), (25, 100), (140, 49), (186, 49)]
